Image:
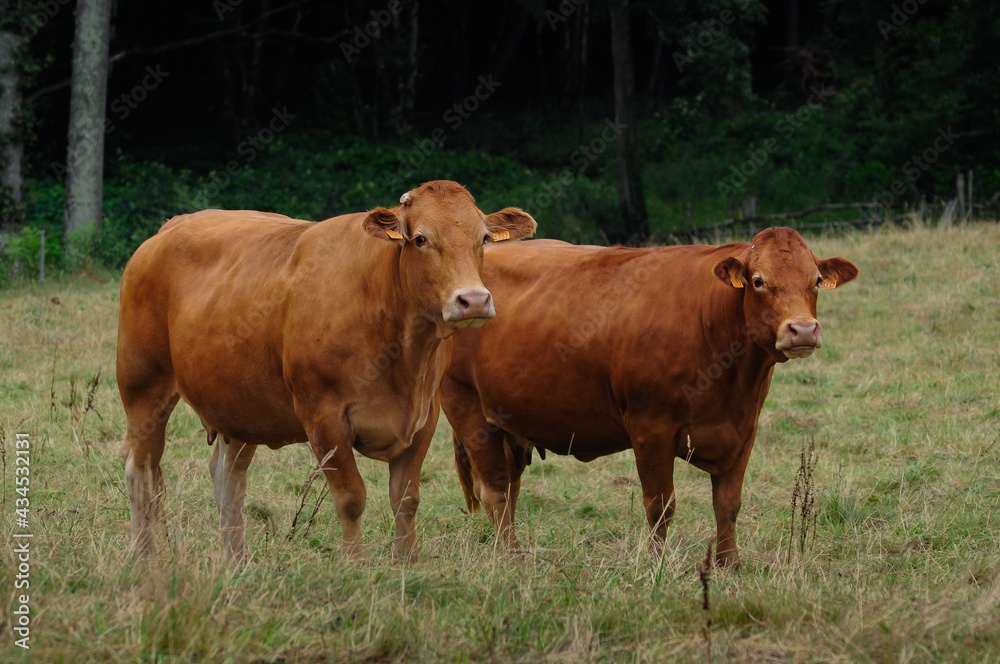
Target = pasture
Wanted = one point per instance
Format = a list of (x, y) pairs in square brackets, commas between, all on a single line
[(900, 559)]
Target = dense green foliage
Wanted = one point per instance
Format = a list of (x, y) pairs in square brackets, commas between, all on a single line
[(790, 103), (295, 178)]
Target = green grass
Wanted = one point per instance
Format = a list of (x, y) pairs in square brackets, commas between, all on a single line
[(902, 403)]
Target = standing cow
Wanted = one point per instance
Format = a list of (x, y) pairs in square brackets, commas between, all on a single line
[(278, 331), (667, 351)]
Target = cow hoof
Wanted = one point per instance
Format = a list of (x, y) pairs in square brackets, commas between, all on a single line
[(657, 546), (728, 563)]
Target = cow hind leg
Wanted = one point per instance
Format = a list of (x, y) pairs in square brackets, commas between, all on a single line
[(518, 452), (466, 475), (481, 460), (147, 412), (498, 482), (228, 468)]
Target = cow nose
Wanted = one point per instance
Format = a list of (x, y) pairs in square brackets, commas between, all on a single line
[(799, 338), (803, 333), (471, 306)]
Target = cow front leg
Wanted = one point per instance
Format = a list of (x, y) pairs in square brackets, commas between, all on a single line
[(655, 466), (228, 467), (727, 498), (336, 459), (404, 487)]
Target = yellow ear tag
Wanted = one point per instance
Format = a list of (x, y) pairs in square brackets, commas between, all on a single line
[(828, 283), (736, 282), (500, 235), (393, 234)]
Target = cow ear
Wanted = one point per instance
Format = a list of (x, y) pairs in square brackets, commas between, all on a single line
[(731, 271), (383, 224), (510, 224), (836, 272)]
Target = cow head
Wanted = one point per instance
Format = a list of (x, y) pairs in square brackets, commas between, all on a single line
[(781, 278), (441, 234)]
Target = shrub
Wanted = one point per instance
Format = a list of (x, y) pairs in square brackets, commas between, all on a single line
[(21, 255)]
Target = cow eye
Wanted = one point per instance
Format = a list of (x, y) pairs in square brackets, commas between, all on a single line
[(819, 280), (487, 238), (758, 282), (420, 240)]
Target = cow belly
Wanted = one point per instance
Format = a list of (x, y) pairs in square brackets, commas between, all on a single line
[(565, 426), (553, 407), (245, 422), (246, 410), (583, 445)]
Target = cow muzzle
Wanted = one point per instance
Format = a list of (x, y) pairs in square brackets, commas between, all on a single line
[(469, 308), (799, 338)]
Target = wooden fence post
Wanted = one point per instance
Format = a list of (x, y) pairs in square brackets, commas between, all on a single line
[(971, 207), (960, 187)]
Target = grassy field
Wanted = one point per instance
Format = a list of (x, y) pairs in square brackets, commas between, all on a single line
[(903, 566)]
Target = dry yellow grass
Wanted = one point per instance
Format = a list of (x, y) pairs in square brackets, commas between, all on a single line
[(902, 403)]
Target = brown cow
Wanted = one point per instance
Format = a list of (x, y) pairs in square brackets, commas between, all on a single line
[(279, 331), (667, 351)]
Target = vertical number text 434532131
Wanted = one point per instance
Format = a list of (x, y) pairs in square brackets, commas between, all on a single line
[(21, 617)]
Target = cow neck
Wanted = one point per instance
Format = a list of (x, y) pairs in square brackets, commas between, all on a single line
[(419, 342), (405, 322), (752, 363)]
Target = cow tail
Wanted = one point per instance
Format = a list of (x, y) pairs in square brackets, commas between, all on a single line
[(464, 466)]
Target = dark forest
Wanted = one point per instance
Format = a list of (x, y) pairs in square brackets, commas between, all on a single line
[(311, 109)]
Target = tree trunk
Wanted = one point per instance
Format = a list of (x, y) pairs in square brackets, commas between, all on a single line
[(501, 57), (635, 224), (88, 96), (11, 146), (406, 92), (792, 23)]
